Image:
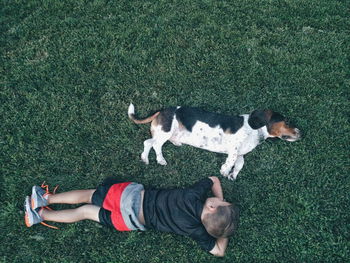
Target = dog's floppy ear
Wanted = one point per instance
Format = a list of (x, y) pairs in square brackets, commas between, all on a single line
[(258, 119)]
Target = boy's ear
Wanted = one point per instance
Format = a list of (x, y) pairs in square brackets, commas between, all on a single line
[(212, 207), (209, 206)]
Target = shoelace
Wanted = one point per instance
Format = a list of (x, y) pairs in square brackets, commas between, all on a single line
[(46, 187), (47, 192)]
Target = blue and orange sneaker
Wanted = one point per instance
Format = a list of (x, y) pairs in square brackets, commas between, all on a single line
[(40, 195), (31, 216)]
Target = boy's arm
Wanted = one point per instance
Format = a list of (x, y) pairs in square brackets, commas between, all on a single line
[(216, 188), (220, 247), (221, 243)]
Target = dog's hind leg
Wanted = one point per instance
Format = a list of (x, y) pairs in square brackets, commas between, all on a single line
[(157, 146), (156, 142), (162, 129), (160, 137), (148, 144)]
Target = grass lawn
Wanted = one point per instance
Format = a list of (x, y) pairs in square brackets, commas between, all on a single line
[(69, 69)]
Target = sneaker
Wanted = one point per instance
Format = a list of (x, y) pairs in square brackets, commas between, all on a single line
[(31, 216), (39, 197)]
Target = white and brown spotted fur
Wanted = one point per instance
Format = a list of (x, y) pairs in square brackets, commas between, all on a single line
[(232, 135)]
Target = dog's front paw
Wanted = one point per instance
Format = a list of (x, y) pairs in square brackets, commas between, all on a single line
[(232, 176), (144, 158), (162, 161), (225, 171)]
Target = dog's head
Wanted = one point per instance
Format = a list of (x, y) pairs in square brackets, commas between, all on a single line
[(276, 124)]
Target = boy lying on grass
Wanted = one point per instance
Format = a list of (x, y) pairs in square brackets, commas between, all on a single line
[(127, 206)]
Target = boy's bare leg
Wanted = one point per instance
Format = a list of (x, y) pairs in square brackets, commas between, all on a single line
[(72, 197), (72, 215)]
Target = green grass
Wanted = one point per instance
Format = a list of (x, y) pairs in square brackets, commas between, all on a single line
[(69, 69)]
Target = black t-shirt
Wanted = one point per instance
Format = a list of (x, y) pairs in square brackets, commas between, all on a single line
[(179, 211)]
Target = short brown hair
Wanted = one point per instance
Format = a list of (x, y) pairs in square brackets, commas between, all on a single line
[(222, 223)]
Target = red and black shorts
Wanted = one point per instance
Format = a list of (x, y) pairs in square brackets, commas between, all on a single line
[(120, 203)]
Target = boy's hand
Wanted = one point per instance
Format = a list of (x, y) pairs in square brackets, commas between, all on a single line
[(216, 188), (220, 247)]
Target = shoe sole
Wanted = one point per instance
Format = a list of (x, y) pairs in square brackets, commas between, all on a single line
[(27, 212), (33, 198)]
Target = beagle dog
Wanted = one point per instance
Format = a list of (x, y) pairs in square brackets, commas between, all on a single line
[(232, 135)]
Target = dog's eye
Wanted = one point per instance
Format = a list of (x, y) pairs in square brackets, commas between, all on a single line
[(285, 137)]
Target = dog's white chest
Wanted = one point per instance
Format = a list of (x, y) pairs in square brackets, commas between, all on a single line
[(205, 137), (248, 144)]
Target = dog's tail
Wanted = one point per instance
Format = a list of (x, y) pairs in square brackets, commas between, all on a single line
[(131, 113)]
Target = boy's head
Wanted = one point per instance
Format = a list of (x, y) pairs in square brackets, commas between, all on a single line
[(219, 218)]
